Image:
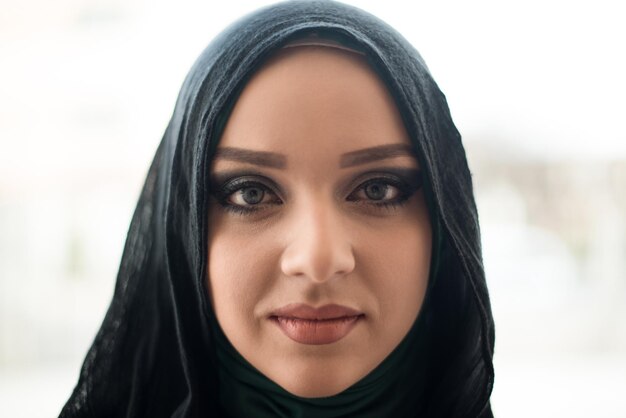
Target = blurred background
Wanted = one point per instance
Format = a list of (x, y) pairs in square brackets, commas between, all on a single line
[(536, 88)]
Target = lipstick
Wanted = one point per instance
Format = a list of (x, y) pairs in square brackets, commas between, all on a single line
[(316, 326)]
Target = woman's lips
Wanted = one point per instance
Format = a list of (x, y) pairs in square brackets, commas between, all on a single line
[(315, 326)]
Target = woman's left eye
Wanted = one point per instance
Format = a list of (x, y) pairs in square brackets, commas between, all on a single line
[(382, 192), (378, 190)]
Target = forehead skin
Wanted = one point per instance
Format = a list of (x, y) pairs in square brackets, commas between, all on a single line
[(309, 86)]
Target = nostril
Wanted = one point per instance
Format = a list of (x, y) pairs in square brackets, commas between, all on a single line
[(318, 265)]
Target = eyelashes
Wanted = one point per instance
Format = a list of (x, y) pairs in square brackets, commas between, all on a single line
[(250, 194)]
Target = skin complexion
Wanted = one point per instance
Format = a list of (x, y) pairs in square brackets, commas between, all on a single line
[(319, 237)]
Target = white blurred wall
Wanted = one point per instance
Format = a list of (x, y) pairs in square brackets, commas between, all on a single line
[(536, 89)]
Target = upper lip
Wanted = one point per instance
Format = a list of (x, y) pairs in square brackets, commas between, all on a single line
[(303, 311)]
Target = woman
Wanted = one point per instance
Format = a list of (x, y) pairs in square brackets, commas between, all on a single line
[(306, 243)]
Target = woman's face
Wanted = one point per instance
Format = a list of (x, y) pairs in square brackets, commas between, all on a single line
[(319, 237)]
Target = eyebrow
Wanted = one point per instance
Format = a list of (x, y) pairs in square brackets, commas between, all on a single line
[(349, 159), (377, 153), (261, 158)]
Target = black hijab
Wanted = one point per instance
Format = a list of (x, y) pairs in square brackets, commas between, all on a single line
[(154, 355)]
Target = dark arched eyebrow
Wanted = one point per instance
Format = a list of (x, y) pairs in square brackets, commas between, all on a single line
[(261, 158), (349, 159), (381, 152)]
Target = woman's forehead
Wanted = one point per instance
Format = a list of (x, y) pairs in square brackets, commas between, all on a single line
[(314, 99)]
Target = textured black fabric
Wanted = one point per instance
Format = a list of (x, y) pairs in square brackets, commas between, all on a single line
[(153, 355)]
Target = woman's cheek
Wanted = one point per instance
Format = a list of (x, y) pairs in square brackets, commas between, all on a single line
[(239, 276)]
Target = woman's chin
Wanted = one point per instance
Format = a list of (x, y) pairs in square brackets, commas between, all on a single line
[(306, 389), (317, 381)]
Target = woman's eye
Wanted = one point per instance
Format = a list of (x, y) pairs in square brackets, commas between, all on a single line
[(250, 195), (378, 190), (383, 193)]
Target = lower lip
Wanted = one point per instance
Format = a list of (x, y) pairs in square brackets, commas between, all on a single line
[(316, 332)]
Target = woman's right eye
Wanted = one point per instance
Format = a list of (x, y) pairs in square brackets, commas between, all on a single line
[(245, 197)]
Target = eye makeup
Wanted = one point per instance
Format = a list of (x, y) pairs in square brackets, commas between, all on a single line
[(248, 192)]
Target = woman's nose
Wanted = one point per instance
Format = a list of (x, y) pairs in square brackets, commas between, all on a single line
[(319, 246)]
